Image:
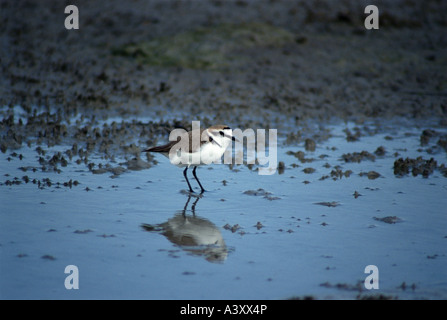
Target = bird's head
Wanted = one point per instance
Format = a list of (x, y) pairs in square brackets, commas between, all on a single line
[(221, 134)]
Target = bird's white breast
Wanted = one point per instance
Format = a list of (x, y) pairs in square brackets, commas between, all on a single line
[(209, 153)]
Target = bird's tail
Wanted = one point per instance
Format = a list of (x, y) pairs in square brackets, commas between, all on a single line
[(164, 148)]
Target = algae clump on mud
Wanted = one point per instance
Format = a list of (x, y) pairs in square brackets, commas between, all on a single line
[(212, 48)]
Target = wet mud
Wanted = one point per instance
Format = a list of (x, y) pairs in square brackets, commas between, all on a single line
[(131, 61)]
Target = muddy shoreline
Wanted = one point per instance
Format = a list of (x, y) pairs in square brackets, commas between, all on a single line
[(219, 62), (298, 62)]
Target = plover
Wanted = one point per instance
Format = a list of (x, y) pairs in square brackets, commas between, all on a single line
[(197, 147)]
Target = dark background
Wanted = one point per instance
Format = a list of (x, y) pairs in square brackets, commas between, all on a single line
[(333, 68)]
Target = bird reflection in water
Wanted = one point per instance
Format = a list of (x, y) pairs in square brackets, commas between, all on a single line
[(196, 235)]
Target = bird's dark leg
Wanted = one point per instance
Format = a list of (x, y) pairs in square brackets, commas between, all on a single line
[(194, 174), (186, 206), (193, 207), (187, 181)]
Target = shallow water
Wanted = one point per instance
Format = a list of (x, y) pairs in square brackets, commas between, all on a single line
[(140, 235)]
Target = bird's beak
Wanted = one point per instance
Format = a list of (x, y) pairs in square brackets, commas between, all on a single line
[(234, 139)]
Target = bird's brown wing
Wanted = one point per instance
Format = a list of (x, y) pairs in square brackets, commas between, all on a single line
[(163, 149), (185, 144)]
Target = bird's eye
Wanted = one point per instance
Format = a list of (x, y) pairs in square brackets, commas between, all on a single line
[(221, 133), (211, 139)]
